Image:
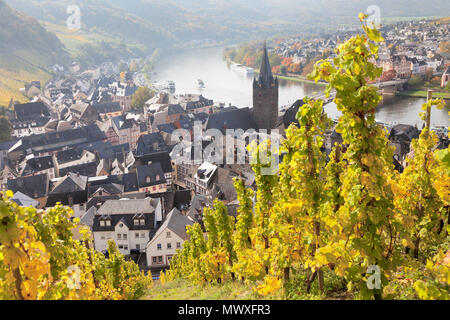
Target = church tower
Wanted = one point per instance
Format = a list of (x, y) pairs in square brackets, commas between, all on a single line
[(265, 96)]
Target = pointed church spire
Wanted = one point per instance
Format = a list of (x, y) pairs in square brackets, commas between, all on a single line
[(265, 75)]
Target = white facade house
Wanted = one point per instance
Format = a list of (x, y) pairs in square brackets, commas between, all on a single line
[(169, 237), (130, 223)]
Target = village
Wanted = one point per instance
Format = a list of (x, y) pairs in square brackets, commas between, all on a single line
[(410, 49), (80, 143)]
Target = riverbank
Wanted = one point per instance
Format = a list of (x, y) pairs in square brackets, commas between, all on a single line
[(297, 79), (423, 94)]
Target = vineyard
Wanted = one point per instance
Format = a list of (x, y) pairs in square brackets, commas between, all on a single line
[(369, 230), (347, 227)]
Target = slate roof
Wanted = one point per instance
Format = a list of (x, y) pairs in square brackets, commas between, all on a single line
[(121, 207), (110, 188), (84, 169), (231, 119), (163, 158), (128, 180), (153, 171), (177, 223), (70, 184), (151, 143), (404, 132), (290, 115), (32, 186), (78, 136), (37, 164), (31, 110), (126, 219), (24, 201), (182, 198), (174, 109)]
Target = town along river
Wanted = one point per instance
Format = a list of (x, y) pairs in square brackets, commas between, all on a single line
[(223, 84)]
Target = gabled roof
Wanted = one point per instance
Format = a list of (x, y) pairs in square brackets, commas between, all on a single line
[(125, 206), (24, 201), (31, 110), (176, 222), (70, 184), (84, 169), (163, 158), (107, 107), (231, 119), (151, 143), (32, 186), (150, 175)]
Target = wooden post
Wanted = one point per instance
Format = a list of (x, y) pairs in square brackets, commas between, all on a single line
[(429, 97)]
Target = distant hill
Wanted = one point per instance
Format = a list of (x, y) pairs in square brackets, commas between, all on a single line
[(27, 51), (161, 23)]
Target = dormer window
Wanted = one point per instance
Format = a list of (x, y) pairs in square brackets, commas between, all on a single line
[(102, 223), (142, 222), (108, 223), (148, 179)]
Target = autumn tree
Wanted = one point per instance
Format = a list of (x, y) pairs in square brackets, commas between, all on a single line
[(5, 129), (140, 97)]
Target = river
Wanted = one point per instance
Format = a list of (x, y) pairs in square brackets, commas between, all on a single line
[(229, 86)]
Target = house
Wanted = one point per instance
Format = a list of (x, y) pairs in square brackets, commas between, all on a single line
[(232, 119), (169, 238), (71, 191), (151, 179), (48, 142), (130, 223), (202, 180), (84, 113), (163, 158), (37, 165), (108, 109), (35, 187), (400, 137), (150, 143), (28, 127), (127, 130), (124, 95), (31, 110)]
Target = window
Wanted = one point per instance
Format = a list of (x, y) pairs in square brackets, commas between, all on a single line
[(160, 259), (108, 223), (125, 236), (154, 259), (102, 237), (142, 222), (168, 234), (169, 246), (143, 235), (125, 247), (159, 246), (121, 225), (102, 223), (178, 245), (138, 247), (121, 247), (136, 222), (119, 236), (136, 235)]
